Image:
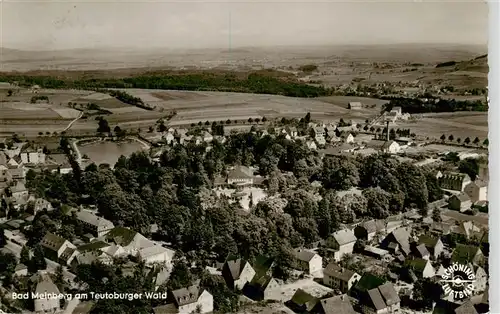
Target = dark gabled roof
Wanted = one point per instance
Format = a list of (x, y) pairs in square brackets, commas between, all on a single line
[(52, 241), (372, 226), (302, 298), (235, 267), (262, 264), (462, 197), (422, 250), (402, 237), (466, 308), (428, 241), (464, 254), (240, 172), (338, 272), (376, 299), (337, 305), (304, 255), (368, 282), (416, 264), (187, 295), (389, 294), (96, 245), (67, 253), (121, 235)]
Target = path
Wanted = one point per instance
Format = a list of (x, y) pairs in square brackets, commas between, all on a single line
[(74, 146), (146, 145), (74, 120)]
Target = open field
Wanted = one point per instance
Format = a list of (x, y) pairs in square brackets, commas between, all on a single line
[(435, 127)]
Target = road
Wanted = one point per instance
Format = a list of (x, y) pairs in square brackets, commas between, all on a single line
[(146, 145), (72, 304), (71, 123), (74, 146)]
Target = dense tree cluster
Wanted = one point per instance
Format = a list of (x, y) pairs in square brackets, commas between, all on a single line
[(256, 82), (175, 193), (415, 105)]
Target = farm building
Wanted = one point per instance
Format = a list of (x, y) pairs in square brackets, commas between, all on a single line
[(355, 105)]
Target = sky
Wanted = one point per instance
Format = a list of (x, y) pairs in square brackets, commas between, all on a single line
[(54, 25)]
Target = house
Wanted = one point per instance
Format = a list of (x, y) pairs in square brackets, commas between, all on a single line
[(318, 131), (308, 260), (302, 302), (331, 131), (481, 280), (32, 156), (94, 224), (376, 252), (383, 299), (207, 137), (311, 145), (192, 299), (156, 254), (420, 251), (169, 138), (41, 204), (292, 131), (237, 273), (21, 270), (339, 278), (466, 308), (368, 229), (45, 285), (342, 242), (420, 268), (19, 190), (56, 248), (397, 110), (387, 147), (433, 244), (339, 304), (349, 139), (355, 105), (477, 191), (454, 181), (467, 254), (240, 175), (261, 288), (398, 241), (460, 202)]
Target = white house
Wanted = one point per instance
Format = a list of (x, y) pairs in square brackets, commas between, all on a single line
[(342, 242), (169, 138), (237, 273), (193, 300), (349, 139), (156, 254), (94, 224), (477, 191), (311, 145), (32, 156), (46, 285), (57, 248), (308, 261), (240, 175), (340, 278)]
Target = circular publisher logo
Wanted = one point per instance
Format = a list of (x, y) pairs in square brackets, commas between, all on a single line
[(458, 280)]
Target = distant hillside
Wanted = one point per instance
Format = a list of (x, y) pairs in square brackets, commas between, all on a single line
[(478, 64)]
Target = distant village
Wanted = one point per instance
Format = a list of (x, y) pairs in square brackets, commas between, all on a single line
[(374, 266)]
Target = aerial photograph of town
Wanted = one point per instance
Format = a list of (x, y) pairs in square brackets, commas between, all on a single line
[(246, 157)]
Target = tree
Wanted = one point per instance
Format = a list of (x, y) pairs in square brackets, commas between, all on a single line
[(264, 119), (103, 126), (207, 123), (3, 239), (459, 140), (228, 121), (436, 215), (467, 141), (59, 278), (38, 261), (9, 93), (25, 256), (307, 118), (250, 120), (486, 142), (451, 138), (339, 173), (443, 138), (476, 141), (181, 276)]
